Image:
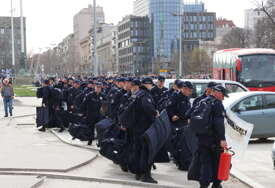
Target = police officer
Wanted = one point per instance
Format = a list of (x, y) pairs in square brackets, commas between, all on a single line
[(90, 108), (180, 104), (47, 101), (72, 93), (144, 113), (208, 91), (158, 91), (114, 97), (212, 144)]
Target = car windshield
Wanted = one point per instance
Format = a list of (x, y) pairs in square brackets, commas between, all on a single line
[(258, 70)]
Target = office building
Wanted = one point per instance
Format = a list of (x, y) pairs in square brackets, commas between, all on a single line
[(83, 23), (134, 46), (6, 44), (165, 27)]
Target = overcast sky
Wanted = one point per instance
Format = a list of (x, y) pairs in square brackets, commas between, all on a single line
[(49, 21)]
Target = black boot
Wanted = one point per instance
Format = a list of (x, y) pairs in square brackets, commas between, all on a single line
[(61, 129), (138, 177), (124, 168), (216, 185), (90, 142), (43, 129), (148, 179)]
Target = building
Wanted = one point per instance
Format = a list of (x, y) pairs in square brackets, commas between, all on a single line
[(223, 27), (165, 28), (83, 23), (198, 24), (106, 57), (252, 17), (6, 44), (134, 46)]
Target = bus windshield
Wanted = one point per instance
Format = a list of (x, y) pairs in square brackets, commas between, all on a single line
[(258, 70)]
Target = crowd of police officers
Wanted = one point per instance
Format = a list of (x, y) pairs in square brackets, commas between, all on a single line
[(88, 97)]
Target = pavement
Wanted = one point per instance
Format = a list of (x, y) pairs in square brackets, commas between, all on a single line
[(257, 165), (50, 160)]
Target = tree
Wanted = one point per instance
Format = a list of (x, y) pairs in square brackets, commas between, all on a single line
[(268, 8), (264, 29), (197, 61), (236, 38)]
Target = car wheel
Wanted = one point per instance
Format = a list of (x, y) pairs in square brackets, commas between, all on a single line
[(263, 139)]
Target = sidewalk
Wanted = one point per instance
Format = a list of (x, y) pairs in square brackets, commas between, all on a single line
[(53, 160)]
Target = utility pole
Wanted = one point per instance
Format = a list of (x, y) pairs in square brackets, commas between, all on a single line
[(180, 51), (97, 73), (12, 37), (22, 35)]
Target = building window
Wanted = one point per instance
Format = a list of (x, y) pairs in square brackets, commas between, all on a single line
[(2, 31)]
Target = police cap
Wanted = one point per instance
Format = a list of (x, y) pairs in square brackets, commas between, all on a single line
[(161, 78), (147, 80), (136, 82), (211, 84), (180, 84), (120, 80), (221, 89), (188, 84)]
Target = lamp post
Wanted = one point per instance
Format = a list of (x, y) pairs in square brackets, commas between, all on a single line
[(180, 15), (94, 59), (12, 36), (22, 35)]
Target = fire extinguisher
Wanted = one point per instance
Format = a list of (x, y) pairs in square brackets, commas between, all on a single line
[(225, 164)]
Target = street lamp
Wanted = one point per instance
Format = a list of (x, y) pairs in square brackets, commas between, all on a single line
[(180, 15), (22, 35), (12, 36)]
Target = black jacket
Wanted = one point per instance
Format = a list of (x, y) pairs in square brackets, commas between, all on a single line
[(144, 111), (217, 128), (179, 105)]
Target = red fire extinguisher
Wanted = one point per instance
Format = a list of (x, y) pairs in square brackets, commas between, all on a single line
[(225, 164)]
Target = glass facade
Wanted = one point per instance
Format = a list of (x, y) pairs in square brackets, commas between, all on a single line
[(165, 27)]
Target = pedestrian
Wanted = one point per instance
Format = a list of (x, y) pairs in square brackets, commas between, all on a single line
[(7, 94), (158, 91)]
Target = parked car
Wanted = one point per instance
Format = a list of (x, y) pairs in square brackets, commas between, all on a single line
[(201, 84), (257, 108)]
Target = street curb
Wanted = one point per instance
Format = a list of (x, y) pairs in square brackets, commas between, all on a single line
[(49, 170), (88, 179), (75, 145), (245, 180), (39, 183), (28, 115)]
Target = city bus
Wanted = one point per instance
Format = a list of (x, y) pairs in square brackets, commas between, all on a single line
[(254, 68)]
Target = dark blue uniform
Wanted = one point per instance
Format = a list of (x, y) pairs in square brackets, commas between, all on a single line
[(144, 114), (209, 145), (90, 107), (114, 98), (72, 93), (158, 94), (178, 106)]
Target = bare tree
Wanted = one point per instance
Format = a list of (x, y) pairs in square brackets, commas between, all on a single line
[(197, 61), (267, 7), (264, 28), (236, 38)]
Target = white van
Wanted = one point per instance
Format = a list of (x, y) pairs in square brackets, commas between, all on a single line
[(200, 85)]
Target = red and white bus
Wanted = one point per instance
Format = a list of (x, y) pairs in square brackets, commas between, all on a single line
[(254, 68)]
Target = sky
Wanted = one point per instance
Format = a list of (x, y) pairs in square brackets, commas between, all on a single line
[(49, 21)]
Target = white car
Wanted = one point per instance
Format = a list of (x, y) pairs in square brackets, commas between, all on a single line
[(201, 84)]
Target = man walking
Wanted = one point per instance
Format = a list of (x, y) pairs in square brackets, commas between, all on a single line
[(7, 95)]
